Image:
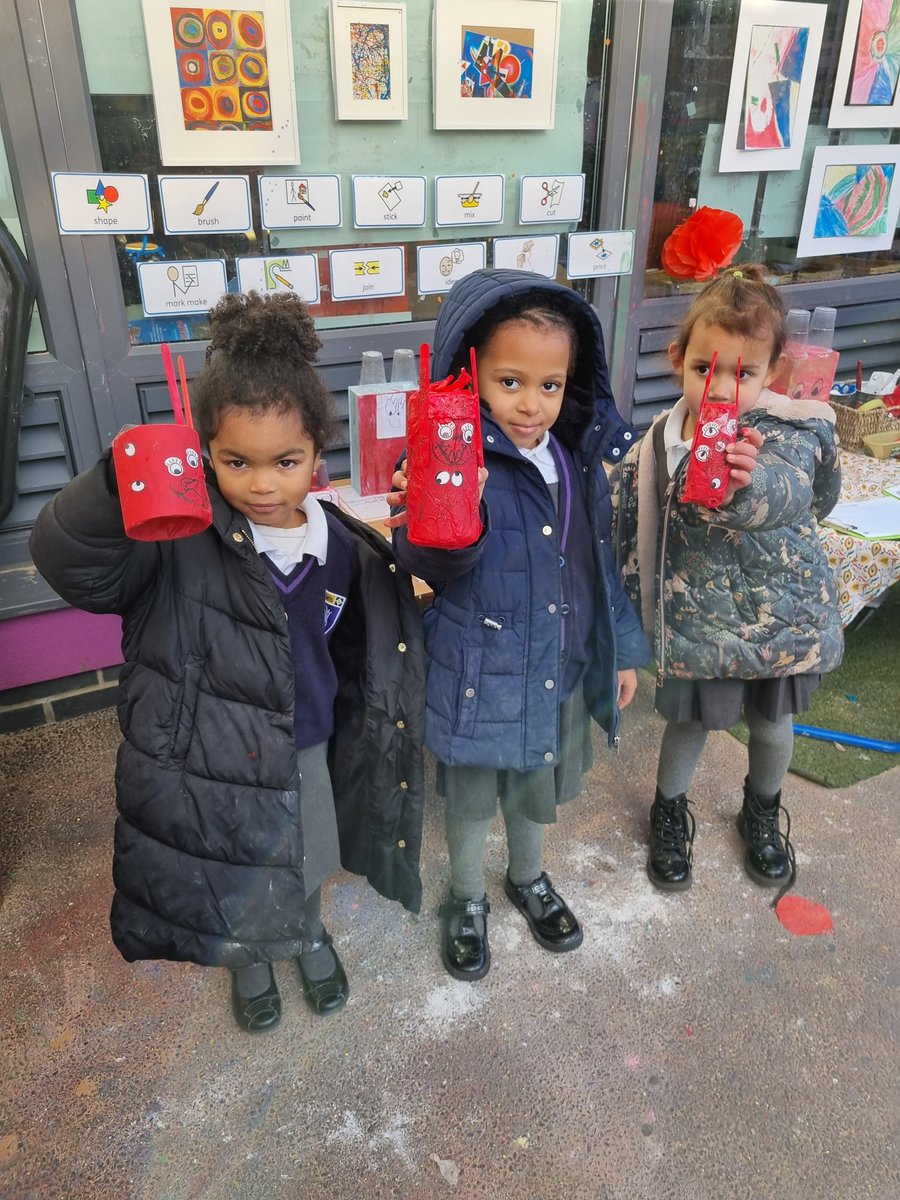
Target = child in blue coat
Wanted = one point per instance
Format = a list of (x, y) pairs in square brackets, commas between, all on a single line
[(530, 633)]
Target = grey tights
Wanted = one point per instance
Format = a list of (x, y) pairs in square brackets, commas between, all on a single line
[(466, 841), (768, 753)]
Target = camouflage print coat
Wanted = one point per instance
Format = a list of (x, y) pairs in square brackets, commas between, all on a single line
[(744, 591)]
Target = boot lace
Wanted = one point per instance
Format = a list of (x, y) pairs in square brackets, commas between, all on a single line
[(764, 826), (674, 827)]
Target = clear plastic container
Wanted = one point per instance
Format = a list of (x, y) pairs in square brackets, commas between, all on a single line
[(403, 370), (372, 370), (821, 329)]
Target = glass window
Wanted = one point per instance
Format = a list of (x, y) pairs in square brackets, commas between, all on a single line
[(9, 214), (770, 204), (119, 79)]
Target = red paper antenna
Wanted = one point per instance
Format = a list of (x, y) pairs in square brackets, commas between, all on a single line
[(184, 392), (169, 367)]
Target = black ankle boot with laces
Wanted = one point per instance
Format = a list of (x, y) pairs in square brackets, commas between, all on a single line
[(769, 859), (671, 842)]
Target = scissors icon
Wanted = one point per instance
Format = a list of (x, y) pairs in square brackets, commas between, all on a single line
[(552, 192)]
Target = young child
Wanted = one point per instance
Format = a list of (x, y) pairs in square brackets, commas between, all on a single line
[(741, 597), (530, 632), (280, 644)]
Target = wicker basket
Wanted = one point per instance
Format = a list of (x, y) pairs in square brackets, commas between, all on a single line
[(853, 426)]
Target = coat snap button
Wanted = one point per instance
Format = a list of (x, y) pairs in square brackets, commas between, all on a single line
[(548, 757), (547, 530), (551, 608), (404, 785), (401, 724), (549, 685), (238, 537), (490, 438), (401, 844), (401, 646), (393, 566), (470, 692)]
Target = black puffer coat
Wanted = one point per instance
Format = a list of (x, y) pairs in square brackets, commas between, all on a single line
[(208, 846)]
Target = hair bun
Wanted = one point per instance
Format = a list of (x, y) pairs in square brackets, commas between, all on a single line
[(252, 327)]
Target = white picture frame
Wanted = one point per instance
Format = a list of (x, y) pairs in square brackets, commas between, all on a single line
[(517, 87), (368, 56), (223, 95), (848, 112), (768, 106), (831, 182)]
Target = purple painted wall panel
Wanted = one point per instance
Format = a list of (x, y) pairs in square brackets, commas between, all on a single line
[(54, 644)]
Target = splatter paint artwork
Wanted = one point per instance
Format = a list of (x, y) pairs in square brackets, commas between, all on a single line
[(774, 73), (854, 200), (370, 55), (223, 71), (496, 63), (876, 61)]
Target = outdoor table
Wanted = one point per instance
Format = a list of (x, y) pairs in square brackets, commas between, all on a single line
[(864, 569)]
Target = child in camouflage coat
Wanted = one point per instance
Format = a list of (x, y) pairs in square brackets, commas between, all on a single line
[(741, 599)]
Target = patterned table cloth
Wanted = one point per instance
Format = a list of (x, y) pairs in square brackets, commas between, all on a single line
[(863, 569)]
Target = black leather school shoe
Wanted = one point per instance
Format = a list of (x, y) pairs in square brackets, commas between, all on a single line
[(328, 995), (464, 947), (557, 926), (256, 1014)]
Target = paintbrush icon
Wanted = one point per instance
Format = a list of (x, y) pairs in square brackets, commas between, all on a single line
[(198, 211)]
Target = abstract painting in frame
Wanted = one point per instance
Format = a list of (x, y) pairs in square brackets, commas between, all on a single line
[(776, 54), (368, 59), (853, 200), (867, 80), (495, 64), (223, 83)]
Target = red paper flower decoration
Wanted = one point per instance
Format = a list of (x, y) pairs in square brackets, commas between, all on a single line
[(700, 246)]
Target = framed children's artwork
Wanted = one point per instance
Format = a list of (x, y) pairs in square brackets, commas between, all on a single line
[(495, 64), (776, 54), (223, 83), (866, 92), (368, 60), (853, 200)]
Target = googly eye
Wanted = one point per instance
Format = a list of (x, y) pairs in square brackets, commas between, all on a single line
[(442, 477), (174, 466), (456, 478), (129, 449), (715, 484), (192, 456), (468, 432), (446, 430), (137, 486)]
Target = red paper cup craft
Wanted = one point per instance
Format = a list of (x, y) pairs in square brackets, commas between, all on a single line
[(159, 473), (443, 456), (708, 471)]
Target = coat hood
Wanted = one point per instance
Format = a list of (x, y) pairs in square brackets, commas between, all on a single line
[(589, 409)]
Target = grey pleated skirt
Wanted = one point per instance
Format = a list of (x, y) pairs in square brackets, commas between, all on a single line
[(719, 703), (471, 793), (321, 850)]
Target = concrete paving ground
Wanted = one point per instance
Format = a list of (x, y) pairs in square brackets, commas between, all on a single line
[(691, 1049)]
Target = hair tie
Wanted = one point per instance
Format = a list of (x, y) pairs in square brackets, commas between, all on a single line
[(737, 274)]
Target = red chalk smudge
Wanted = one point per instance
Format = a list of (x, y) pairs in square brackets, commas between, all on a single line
[(801, 916)]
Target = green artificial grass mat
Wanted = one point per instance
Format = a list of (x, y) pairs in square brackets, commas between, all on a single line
[(861, 697)]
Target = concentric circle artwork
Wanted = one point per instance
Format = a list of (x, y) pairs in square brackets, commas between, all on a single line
[(223, 71)]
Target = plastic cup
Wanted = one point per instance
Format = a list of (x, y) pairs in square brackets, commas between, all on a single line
[(162, 490)]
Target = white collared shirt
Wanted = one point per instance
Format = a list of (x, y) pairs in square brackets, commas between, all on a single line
[(286, 547), (542, 457), (676, 446)]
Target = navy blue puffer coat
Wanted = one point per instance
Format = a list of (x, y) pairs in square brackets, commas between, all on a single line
[(493, 633)]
